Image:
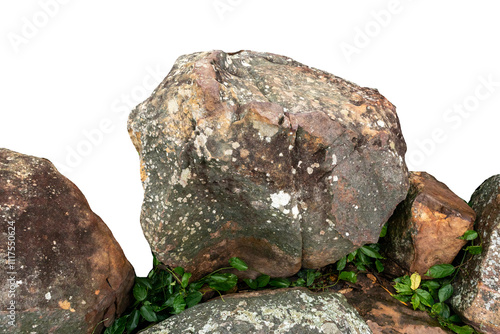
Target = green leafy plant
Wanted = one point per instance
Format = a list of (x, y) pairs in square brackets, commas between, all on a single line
[(433, 295), (167, 291)]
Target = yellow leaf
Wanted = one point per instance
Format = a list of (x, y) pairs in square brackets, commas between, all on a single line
[(415, 281)]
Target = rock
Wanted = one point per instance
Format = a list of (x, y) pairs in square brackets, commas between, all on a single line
[(383, 313), (270, 311), (65, 271), (477, 289), (255, 155), (425, 227)]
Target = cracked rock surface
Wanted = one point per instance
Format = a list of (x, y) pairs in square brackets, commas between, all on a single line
[(67, 273), (273, 311), (477, 289), (255, 155)]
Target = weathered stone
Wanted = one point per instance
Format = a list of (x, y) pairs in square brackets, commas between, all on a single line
[(255, 155), (383, 313), (65, 271), (425, 227), (270, 311), (477, 289)]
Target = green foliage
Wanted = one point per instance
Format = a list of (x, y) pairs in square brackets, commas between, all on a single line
[(165, 292), (433, 295)]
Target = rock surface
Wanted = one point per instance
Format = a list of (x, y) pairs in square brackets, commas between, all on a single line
[(255, 155), (271, 311), (425, 227), (477, 290), (386, 315), (66, 272)]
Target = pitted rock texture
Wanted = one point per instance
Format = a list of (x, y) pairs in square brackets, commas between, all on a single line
[(291, 311), (477, 289), (425, 227), (258, 156), (69, 271)]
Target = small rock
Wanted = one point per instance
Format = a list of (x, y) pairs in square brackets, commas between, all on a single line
[(257, 156), (65, 272), (384, 314), (291, 311), (477, 289), (425, 227)]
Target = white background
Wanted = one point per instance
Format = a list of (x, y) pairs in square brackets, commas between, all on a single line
[(71, 71)]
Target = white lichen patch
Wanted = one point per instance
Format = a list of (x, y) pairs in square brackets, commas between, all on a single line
[(280, 199), (185, 176)]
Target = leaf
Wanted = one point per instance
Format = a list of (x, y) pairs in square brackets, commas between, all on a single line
[(379, 266), (369, 251), (155, 261), (280, 282), (383, 232), (263, 280), (460, 329), (118, 326), (469, 235), (144, 281), (195, 286), (179, 271), (415, 301), (238, 264), (403, 289), (403, 298), (179, 304), (352, 255), (222, 282), (441, 309), (349, 276), (415, 280), (133, 320), (474, 250), (148, 313), (311, 277), (252, 284), (445, 292), (440, 270), (341, 263), (193, 298), (185, 279), (425, 297), (299, 282), (431, 285), (140, 292)]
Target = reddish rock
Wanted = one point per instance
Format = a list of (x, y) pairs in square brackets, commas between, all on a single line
[(258, 156), (425, 227), (384, 314), (66, 272), (477, 289)]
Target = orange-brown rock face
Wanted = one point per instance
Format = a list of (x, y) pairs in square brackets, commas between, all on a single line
[(66, 272), (255, 155), (425, 228)]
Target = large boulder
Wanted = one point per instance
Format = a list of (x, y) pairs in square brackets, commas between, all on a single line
[(64, 271), (270, 311), (258, 156), (477, 289), (426, 226)]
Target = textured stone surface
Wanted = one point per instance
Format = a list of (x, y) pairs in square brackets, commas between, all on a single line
[(70, 273), (291, 311), (477, 290), (258, 156), (425, 227), (386, 315)]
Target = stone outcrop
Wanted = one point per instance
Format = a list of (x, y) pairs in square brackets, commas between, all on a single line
[(477, 290), (425, 227), (258, 156), (64, 269), (271, 311)]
